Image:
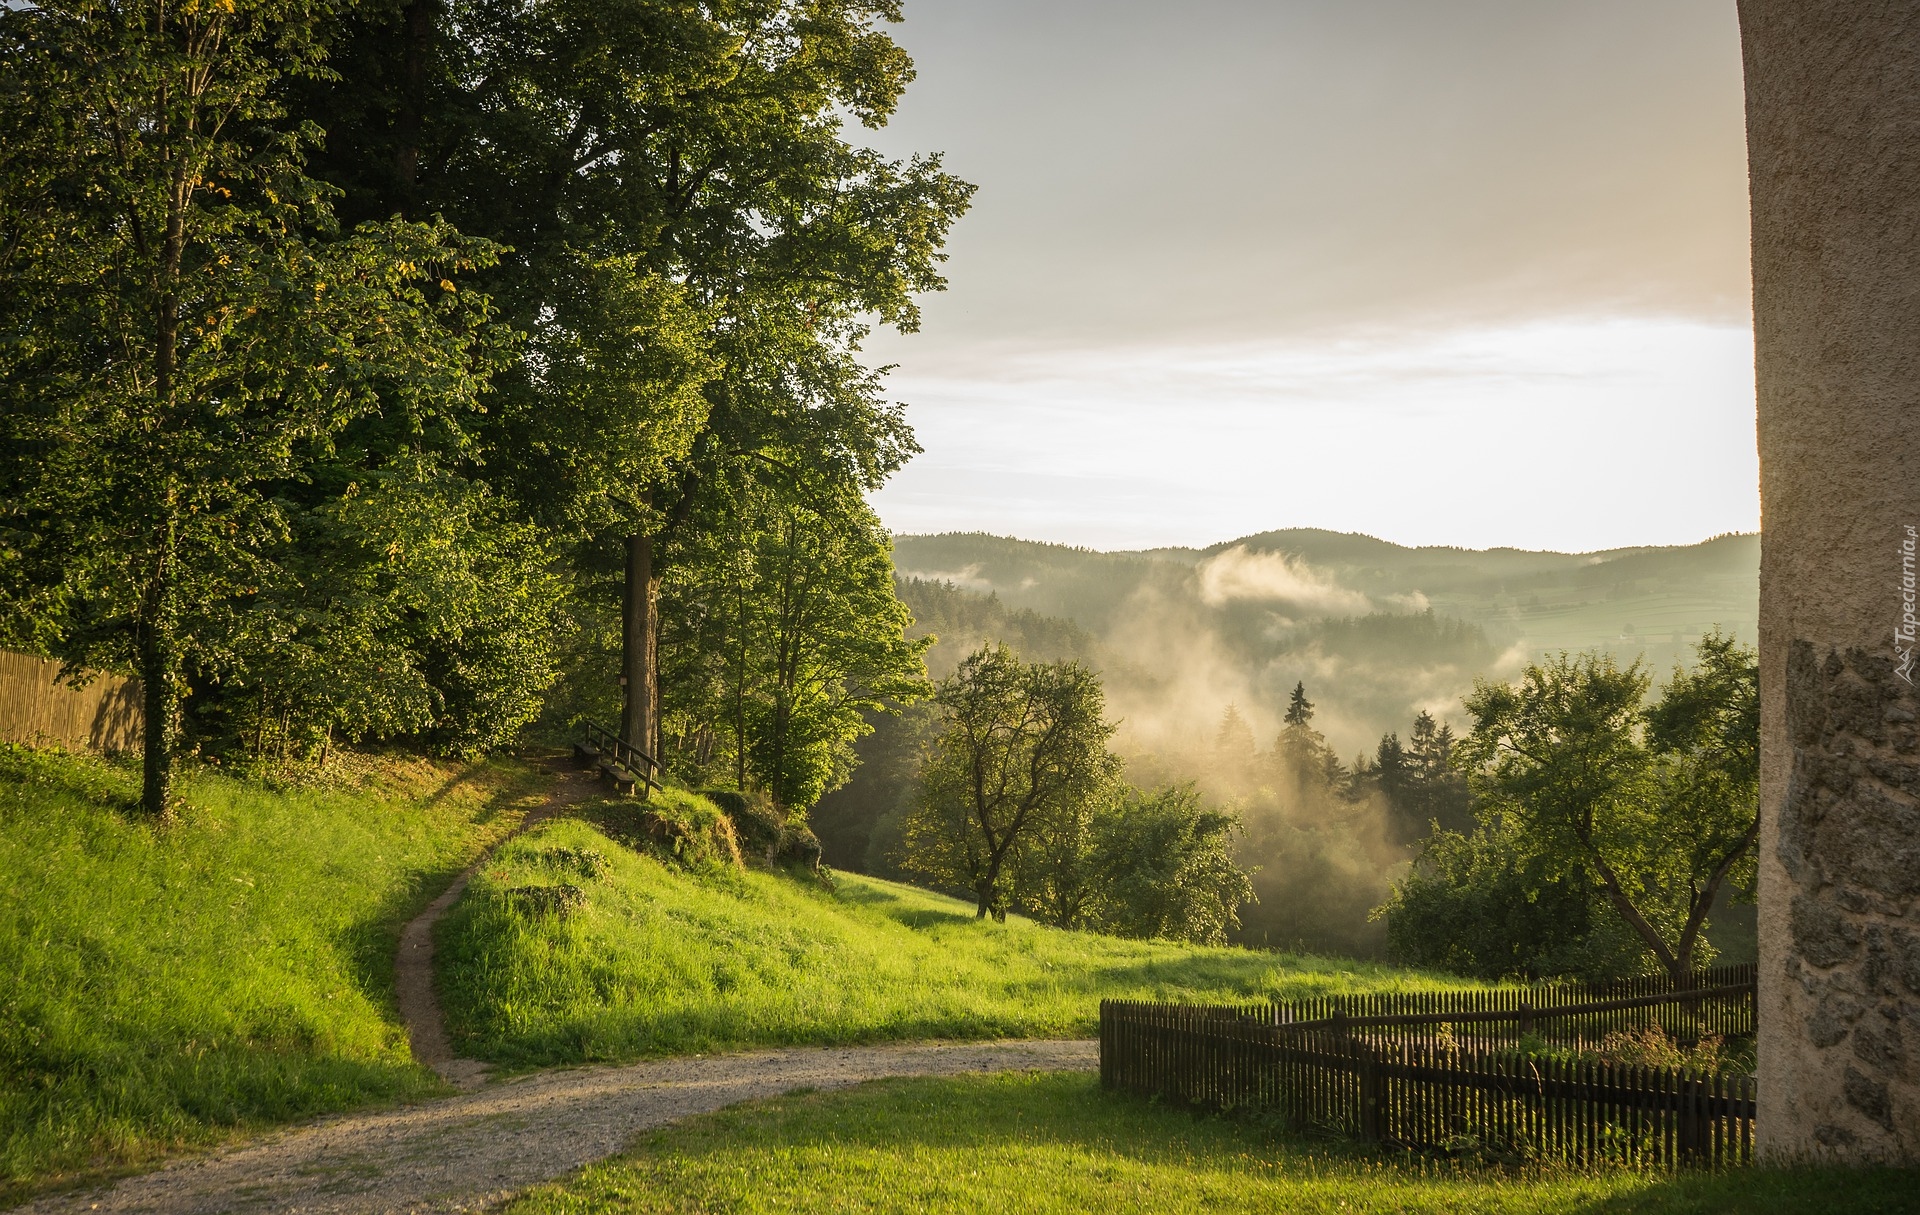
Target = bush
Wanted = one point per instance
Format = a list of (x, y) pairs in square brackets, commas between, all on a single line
[(1479, 905), (558, 901), (798, 846)]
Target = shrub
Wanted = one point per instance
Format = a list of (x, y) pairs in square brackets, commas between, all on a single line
[(588, 863)]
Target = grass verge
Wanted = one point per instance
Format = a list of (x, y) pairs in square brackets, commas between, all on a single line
[(1055, 1143), (162, 986), (657, 960)]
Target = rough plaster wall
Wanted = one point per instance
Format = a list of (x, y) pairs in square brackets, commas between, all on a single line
[(1833, 131)]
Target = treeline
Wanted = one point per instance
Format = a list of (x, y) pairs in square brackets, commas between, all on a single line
[(410, 370)]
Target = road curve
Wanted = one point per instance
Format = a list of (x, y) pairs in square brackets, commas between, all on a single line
[(474, 1150)]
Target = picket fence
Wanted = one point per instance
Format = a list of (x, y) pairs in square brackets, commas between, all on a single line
[(1438, 1072)]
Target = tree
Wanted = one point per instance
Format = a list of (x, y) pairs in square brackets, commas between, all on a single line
[(1022, 744), (1486, 904), (784, 636), (1658, 803), (412, 603), (695, 152), (1162, 867), (1418, 780), (182, 325), (1234, 740)]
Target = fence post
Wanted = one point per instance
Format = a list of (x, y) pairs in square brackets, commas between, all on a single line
[(1372, 1096)]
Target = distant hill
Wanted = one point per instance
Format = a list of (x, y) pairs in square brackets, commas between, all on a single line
[(1270, 605)]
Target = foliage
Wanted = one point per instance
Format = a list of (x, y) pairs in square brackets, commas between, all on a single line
[(412, 604), (183, 327), (1484, 904), (165, 987), (660, 960), (698, 251), (1163, 867), (1022, 761), (1047, 1143), (782, 630), (859, 822), (1657, 804)]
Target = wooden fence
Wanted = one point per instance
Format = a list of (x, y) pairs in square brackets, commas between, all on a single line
[(1391, 1077), (1718, 1002), (40, 709)]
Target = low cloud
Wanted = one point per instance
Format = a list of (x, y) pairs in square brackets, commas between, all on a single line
[(1239, 574)]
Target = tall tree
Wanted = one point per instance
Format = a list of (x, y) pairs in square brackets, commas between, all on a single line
[(697, 148), (1022, 743), (181, 323)]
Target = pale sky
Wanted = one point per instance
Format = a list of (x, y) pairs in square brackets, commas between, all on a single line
[(1445, 271)]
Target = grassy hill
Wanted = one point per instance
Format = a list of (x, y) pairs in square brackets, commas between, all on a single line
[(658, 960), (162, 987)]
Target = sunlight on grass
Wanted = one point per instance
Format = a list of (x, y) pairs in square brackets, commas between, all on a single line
[(232, 969), (661, 961), (1047, 1143)]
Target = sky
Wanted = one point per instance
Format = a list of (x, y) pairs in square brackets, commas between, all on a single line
[(1466, 272)]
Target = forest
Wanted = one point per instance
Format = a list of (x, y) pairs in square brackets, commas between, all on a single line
[(425, 374)]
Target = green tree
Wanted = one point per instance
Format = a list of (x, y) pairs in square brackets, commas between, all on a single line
[(783, 636), (1486, 904), (1162, 866), (183, 326), (1658, 803), (691, 161), (413, 603), (1023, 744)]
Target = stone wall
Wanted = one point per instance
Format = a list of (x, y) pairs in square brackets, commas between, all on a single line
[(1833, 131), (37, 708)]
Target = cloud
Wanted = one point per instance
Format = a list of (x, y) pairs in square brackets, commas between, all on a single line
[(1239, 574)]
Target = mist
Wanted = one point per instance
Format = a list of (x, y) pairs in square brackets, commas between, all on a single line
[(1200, 652)]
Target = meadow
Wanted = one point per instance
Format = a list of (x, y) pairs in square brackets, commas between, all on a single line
[(161, 987), (1045, 1143), (659, 960)]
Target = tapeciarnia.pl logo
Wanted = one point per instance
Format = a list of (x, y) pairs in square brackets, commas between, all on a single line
[(1904, 636)]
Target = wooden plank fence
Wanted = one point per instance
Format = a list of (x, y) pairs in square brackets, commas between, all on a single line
[(1384, 1076)]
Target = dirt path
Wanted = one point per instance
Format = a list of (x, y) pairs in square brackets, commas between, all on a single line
[(413, 966), (471, 1152)]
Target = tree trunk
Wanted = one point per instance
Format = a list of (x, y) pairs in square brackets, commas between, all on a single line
[(419, 18), (639, 649), (159, 666)]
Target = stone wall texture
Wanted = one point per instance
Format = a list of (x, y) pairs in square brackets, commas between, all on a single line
[(1833, 131)]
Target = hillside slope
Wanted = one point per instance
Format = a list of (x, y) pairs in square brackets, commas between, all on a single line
[(234, 969), (658, 961)]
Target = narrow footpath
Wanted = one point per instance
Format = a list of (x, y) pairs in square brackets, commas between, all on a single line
[(473, 1151), (413, 965)]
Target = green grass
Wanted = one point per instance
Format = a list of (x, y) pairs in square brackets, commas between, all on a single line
[(162, 987), (1055, 1143), (663, 961)]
